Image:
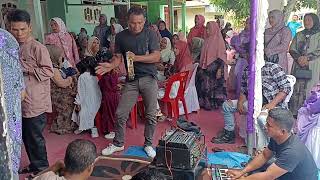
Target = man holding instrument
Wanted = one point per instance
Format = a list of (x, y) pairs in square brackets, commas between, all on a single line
[(141, 46)]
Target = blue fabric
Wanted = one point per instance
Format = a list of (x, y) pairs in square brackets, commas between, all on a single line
[(294, 26), (68, 72), (319, 174), (230, 159), (137, 151)]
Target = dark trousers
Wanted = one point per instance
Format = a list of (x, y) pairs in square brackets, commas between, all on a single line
[(34, 141)]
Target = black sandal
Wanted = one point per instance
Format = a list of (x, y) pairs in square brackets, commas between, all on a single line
[(216, 149)]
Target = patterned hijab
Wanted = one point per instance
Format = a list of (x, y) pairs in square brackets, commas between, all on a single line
[(90, 43), (316, 25)]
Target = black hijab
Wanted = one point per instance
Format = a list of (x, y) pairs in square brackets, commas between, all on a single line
[(316, 25)]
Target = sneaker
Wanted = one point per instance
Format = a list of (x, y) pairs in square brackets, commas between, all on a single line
[(111, 135), (111, 149), (150, 151), (94, 132)]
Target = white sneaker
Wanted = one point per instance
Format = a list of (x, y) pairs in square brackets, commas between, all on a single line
[(111, 135), (94, 132), (111, 149), (150, 151)]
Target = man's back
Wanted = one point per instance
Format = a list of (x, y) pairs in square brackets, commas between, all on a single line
[(294, 157)]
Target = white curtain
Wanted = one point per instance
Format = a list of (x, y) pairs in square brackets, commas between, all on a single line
[(262, 15)]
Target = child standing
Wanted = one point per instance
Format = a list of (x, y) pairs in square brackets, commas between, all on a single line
[(88, 99), (110, 99)]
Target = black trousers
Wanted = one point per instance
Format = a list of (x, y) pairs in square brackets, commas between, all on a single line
[(34, 141)]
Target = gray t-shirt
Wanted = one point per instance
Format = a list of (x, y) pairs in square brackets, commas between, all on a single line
[(294, 157), (140, 44)]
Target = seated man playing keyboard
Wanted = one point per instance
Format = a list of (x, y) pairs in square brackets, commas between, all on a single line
[(293, 159)]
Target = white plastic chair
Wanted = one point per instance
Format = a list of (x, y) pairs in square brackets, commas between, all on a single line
[(190, 94), (292, 80)]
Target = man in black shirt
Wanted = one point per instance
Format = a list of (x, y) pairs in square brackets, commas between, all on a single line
[(293, 159), (142, 46)]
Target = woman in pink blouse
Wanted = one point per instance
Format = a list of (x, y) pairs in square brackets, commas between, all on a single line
[(61, 38)]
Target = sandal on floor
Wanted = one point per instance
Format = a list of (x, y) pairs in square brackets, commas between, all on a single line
[(216, 149)]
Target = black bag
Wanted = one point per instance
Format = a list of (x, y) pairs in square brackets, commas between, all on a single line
[(303, 74), (273, 58)]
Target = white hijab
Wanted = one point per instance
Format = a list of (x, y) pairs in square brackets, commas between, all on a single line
[(166, 53)]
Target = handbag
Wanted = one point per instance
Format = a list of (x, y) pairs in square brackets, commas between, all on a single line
[(273, 58), (303, 73)]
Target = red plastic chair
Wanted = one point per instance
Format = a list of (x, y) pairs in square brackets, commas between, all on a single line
[(134, 112), (173, 104)]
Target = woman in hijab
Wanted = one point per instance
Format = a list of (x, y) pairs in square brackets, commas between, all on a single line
[(103, 31), (61, 38), (183, 60), (241, 44), (115, 29), (277, 40), (109, 89), (174, 39), (82, 42), (13, 93), (167, 58), (163, 30), (63, 92), (93, 47), (198, 30), (210, 77), (197, 44), (305, 50)]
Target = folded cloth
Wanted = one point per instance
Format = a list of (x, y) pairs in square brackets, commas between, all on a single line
[(66, 72)]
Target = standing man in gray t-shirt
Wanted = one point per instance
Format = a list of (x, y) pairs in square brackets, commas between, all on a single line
[(142, 46)]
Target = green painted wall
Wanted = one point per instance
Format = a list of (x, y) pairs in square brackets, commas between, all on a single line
[(56, 8), (71, 12), (75, 18), (153, 11)]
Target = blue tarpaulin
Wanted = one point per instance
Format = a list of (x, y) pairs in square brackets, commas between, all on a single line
[(230, 159)]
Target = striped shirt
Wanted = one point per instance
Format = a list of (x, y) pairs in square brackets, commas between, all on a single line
[(274, 80)]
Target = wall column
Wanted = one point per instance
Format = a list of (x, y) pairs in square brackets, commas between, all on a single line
[(171, 10), (22, 4), (184, 16), (38, 19), (162, 16), (153, 11)]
